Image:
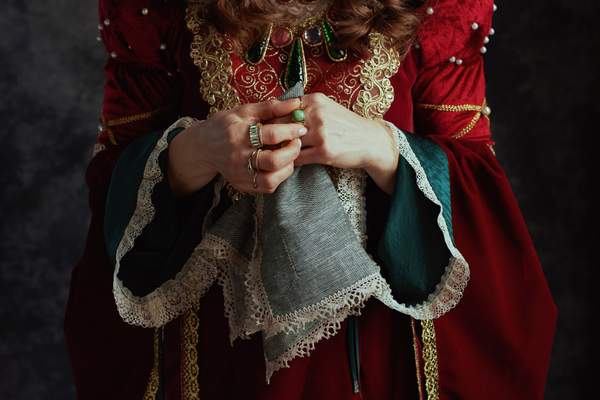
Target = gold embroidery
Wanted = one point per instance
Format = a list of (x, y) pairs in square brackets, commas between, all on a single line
[(106, 125), (153, 383), (431, 361), (377, 94), (480, 110), (192, 322), (214, 61), (417, 357), (492, 149)]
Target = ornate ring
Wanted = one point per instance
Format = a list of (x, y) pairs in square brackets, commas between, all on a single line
[(254, 185), (298, 115), (257, 154), (250, 167), (256, 135)]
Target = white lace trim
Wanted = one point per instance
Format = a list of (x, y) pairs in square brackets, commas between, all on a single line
[(450, 290), (174, 296), (352, 185)]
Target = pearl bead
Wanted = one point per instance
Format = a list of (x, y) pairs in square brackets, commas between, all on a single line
[(495, 7), (492, 31), (100, 27), (129, 46), (483, 50), (106, 22), (452, 59), (429, 10), (459, 62), (170, 74), (163, 46), (99, 38), (417, 46), (100, 128), (486, 40), (113, 54), (144, 11), (475, 26), (486, 110)]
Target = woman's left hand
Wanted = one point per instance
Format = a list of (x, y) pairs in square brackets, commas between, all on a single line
[(341, 138)]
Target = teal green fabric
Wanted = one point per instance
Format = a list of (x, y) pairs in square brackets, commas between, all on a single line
[(412, 247), (167, 241)]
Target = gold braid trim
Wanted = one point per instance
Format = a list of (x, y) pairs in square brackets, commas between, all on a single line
[(106, 125), (153, 382), (417, 358), (192, 322), (432, 384), (214, 63), (377, 93), (480, 110)]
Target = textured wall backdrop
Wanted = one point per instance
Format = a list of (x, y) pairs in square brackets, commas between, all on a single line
[(542, 66)]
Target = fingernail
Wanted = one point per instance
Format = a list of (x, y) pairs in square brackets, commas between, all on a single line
[(300, 142), (302, 131)]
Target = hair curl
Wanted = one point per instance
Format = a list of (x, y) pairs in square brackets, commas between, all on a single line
[(355, 19)]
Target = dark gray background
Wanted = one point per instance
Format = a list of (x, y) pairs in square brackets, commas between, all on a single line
[(543, 85)]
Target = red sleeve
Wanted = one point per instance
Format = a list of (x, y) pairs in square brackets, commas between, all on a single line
[(144, 86), (496, 343)]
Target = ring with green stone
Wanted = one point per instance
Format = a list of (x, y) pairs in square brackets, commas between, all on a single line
[(298, 116)]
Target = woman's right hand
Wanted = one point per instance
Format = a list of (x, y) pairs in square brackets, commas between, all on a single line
[(221, 144)]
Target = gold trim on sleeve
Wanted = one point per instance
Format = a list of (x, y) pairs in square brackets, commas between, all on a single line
[(480, 110), (153, 382), (417, 358), (191, 325), (432, 384), (106, 125)]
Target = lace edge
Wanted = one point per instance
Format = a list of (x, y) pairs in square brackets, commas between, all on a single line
[(457, 272), (446, 296), (160, 306), (331, 323)]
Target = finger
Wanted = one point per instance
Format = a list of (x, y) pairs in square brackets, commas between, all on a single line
[(266, 181), (275, 134), (312, 155), (273, 160), (274, 108)]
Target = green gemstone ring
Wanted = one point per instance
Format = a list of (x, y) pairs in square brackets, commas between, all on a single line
[(298, 116)]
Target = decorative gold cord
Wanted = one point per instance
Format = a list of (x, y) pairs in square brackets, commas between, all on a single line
[(377, 93), (480, 110), (192, 322), (153, 382), (106, 125), (432, 384), (417, 358)]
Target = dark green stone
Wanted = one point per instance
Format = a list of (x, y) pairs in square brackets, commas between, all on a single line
[(333, 42), (295, 68), (259, 46)]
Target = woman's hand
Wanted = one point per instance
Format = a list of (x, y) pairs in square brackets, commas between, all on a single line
[(341, 138), (221, 144)]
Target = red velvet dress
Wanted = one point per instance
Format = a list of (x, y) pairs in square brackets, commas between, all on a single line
[(495, 344)]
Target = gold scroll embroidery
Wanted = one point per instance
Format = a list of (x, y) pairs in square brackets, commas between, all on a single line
[(480, 110), (153, 382), (432, 384), (214, 62), (377, 94), (191, 324), (106, 125)]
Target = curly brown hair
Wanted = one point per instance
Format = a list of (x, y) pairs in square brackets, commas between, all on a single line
[(355, 19)]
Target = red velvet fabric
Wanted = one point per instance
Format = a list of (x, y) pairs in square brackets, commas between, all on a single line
[(495, 344)]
